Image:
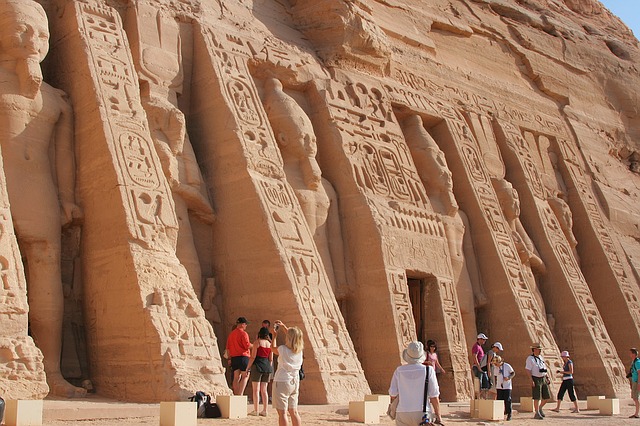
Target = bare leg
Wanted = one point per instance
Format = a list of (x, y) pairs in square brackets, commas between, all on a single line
[(282, 418), (237, 376), (244, 379), (295, 417), (255, 388), (435, 403), (265, 396)]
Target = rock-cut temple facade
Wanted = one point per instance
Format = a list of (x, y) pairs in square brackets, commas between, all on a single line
[(373, 172)]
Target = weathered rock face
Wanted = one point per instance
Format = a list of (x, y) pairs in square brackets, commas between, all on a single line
[(373, 172)]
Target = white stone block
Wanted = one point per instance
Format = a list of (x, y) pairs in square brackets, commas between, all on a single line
[(489, 409), (366, 412), (383, 402), (23, 412), (178, 413), (609, 406), (232, 406), (593, 402)]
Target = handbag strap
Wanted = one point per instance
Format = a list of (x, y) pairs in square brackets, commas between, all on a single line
[(426, 388)]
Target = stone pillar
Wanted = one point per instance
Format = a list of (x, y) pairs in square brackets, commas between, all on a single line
[(148, 339), (604, 265), (266, 261), (391, 230), (515, 317), (565, 290)]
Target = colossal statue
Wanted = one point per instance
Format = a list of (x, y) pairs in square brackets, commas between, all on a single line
[(157, 56), (35, 119), (317, 197), (437, 179), (510, 204)]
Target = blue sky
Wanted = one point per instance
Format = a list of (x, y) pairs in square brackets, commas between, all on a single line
[(628, 11)]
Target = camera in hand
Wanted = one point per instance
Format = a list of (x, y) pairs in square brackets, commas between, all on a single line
[(542, 370), (629, 375), (276, 327)]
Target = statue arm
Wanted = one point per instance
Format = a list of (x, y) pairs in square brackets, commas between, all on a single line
[(196, 202), (65, 161)]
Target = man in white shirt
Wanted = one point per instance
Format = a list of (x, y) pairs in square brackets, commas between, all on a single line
[(537, 371), (406, 381), (503, 373)]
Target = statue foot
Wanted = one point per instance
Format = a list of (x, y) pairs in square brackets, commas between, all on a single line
[(60, 387)]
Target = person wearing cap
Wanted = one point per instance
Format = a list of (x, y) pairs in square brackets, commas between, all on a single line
[(486, 363), (503, 373), (537, 371), (477, 353), (239, 350), (406, 381), (567, 383)]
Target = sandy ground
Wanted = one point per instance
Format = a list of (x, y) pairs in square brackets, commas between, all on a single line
[(95, 411)]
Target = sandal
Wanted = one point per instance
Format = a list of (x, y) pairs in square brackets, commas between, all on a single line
[(635, 416)]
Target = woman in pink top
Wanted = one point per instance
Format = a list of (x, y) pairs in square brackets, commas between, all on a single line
[(432, 357), (260, 367)]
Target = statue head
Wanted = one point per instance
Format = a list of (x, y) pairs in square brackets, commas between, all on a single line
[(24, 39), (507, 197), (24, 33)]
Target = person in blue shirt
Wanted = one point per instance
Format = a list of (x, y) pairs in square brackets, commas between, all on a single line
[(635, 383)]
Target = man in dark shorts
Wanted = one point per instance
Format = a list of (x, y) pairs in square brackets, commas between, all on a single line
[(239, 349), (537, 371)]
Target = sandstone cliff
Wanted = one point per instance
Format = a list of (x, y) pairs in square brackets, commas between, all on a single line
[(374, 172)]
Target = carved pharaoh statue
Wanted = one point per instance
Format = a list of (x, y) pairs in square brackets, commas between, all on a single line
[(34, 119), (510, 204), (157, 55), (437, 179), (297, 141)]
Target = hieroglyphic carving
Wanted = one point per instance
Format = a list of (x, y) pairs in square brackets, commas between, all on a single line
[(564, 259), (381, 161), (406, 328), (535, 323), (150, 209), (610, 246), (456, 340), (331, 344)]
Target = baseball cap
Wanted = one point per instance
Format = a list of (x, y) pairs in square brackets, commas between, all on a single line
[(497, 345), (482, 336)]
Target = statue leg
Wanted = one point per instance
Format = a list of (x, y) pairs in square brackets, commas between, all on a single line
[(186, 249), (46, 309)]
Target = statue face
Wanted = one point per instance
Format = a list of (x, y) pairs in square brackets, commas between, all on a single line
[(23, 31)]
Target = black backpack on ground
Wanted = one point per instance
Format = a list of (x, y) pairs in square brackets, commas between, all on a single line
[(206, 408)]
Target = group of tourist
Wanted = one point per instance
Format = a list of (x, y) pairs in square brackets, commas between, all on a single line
[(255, 361), (495, 377)]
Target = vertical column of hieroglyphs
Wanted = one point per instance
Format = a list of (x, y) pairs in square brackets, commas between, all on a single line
[(506, 283), (296, 266), (612, 284), (136, 290), (568, 296), (364, 133), (20, 356)]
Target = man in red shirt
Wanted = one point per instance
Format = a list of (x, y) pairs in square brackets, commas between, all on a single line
[(239, 349)]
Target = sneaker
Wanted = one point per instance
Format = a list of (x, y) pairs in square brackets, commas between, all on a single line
[(508, 417), (542, 413), (253, 413), (575, 410), (538, 417)]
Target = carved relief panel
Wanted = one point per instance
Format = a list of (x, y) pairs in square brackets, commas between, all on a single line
[(563, 258), (325, 328)]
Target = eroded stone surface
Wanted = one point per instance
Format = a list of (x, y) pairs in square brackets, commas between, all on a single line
[(380, 171)]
